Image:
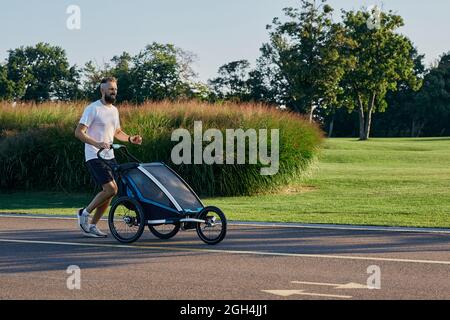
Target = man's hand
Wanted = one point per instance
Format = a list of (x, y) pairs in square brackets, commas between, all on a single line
[(102, 145), (136, 139)]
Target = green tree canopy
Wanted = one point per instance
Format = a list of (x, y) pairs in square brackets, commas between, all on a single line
[(6, 85), (161, 71), (384, 58), (309, 53), (42, 72), (232, 81)]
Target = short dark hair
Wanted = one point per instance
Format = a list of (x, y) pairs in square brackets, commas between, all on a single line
[(108, 79)]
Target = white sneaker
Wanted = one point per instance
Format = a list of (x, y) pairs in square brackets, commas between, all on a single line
[(83, 221), (93, 230)]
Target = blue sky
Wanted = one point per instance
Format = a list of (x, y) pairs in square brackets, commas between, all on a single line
[(216, 31)]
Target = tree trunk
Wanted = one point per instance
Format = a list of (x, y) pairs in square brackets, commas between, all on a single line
[(417, 127), (368, 122), (311, 113), (413, 128), (330, 130), (419, 132), (361, 121)]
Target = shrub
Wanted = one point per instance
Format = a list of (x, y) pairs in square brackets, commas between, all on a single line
[(38, 149)]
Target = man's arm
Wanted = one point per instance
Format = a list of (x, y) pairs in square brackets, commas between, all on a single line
[(122, 136), (80, 133)]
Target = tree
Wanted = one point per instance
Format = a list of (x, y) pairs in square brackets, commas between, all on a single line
[(404, 117), (93, 75), (161, 71), (237, 82), (433, 100), (383, 59), (200, 91), (306, 50), (6, 85), (69, 88), (121, 70), (232, 82), (41, 73), (266, 82)]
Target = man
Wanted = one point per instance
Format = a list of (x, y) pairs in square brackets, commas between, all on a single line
[(97, 128)]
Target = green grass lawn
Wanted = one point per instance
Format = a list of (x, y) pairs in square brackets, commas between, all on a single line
[(397, 182)]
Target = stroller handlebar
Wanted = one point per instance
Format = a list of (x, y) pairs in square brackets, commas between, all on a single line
[(116, 147), (111, 146)]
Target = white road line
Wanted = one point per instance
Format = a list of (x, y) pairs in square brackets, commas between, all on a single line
[(287, 293), (324, 295), (341, 227), (350, 285), (273, 225), (35, 276), (32, 216), (317, 283), (45, 217), (260, 253)]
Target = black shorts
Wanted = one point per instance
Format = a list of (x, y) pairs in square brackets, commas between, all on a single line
[(101, 173)]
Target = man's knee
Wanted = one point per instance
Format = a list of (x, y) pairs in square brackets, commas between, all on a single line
[(110, 189)]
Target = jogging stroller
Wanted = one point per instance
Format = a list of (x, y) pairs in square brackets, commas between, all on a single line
[(154, 195)]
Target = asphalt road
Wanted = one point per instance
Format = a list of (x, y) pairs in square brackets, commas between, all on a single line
[(255, 263)]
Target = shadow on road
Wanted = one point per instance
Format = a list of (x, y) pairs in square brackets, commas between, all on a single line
[(29, 257), (34, 257)]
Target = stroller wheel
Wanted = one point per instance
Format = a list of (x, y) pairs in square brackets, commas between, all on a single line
[(164, 231), (126, 220), (214, 229)]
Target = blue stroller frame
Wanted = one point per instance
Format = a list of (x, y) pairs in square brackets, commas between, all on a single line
[(154, 195)]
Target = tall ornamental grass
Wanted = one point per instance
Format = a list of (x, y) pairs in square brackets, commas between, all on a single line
[(38, 149)]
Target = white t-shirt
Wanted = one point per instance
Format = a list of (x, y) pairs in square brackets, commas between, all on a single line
[(102, 123)]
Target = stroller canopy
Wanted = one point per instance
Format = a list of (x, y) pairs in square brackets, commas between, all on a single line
[(157, 183)]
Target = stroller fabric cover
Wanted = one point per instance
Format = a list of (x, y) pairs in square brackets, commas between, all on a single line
[(159, 185)]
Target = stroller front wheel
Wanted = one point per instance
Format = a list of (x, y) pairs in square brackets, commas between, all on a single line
[(214, 229), (126, 220)]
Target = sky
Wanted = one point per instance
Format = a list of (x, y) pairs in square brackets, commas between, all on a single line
[(217, 31)]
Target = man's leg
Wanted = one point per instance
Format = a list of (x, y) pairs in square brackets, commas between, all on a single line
[(102, 200), (100, 211)]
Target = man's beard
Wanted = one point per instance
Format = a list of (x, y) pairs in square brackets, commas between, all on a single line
[(110, 98)]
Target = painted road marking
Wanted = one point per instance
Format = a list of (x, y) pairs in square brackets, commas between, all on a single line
[(261, 253), (342, 227), (287, 293), (350, 285), (272, 225)]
